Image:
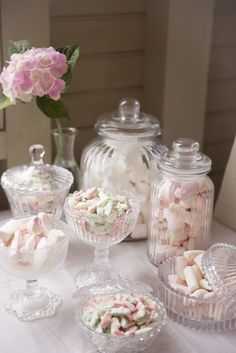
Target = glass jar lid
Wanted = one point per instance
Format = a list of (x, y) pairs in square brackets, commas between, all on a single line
[(37, 176), (128, 120), (219, 266), (185, 158)]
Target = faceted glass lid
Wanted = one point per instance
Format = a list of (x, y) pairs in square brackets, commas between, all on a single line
[(37, 176), (219, 266), (128, 120), (185, 158)]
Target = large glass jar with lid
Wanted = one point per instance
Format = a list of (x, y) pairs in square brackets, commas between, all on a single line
[(181, 204), (125, 156)]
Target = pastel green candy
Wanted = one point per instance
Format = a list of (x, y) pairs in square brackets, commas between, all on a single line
[(108, 208), (94, 319), (120, 311)]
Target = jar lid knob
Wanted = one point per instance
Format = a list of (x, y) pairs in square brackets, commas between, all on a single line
[(37, 153), (186, 145), (129, 109)]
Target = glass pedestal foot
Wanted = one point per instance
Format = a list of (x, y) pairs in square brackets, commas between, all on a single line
[(38, 305)]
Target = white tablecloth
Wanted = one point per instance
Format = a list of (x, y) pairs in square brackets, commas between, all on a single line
[(60, 333)]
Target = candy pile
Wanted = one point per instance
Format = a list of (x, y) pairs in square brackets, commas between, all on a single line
[(121, 314), (128, 168), (36, 179), (181, 219), (100, 209), (30, 234), (189, 276)]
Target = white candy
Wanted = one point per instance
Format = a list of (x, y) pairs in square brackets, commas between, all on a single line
[(191, 254), (204, 284), (197, 272), (198, 261), (199, 293), (54, 235), (191, 279), (180, 264), (30, 243)]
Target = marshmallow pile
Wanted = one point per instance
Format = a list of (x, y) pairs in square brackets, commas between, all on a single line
[(189, 276), (121, 314), (100, 209), (25, 236), (127, 168), (181, 218)]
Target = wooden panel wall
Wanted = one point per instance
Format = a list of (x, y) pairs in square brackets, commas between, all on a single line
[(220, 122), (111, 35)]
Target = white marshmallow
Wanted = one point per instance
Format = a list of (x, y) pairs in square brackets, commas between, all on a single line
[(191, 254), (180, 264), (198, 261), (30, 243), (204, 284), (54, 235), (197, 272), (199, 293), (191, 279)]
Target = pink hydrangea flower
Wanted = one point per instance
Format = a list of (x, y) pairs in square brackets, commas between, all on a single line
[(36, 72)]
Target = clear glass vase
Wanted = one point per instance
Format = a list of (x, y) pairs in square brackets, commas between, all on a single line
[(64, 141)]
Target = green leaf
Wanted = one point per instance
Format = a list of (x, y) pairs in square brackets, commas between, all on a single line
[(18, 47), (72, 54), (5, 102), (52, 109)]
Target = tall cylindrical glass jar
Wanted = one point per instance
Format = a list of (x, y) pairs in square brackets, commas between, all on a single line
[(182, 203), (125, 156)]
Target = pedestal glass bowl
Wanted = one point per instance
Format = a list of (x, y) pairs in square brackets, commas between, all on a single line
[(34, 302), (101, 238)]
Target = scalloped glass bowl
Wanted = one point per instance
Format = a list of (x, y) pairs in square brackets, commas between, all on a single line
[(107, 343), (34, 302), (207, 315)]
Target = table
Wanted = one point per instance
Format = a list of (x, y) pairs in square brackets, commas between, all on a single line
[(60, 333)]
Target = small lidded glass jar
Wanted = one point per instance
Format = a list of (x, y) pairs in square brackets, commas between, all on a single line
[(37, 187), (182, 203), (125, 157)]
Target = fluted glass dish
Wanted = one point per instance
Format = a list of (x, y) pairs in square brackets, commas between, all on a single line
[(108, 343), (34, 302), (215, 314), (37, 187), (101, 240)]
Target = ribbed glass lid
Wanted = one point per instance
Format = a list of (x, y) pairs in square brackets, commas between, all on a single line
[(185, 158), (128, 120), (37, 176)]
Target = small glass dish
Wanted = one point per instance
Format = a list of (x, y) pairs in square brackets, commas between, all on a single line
[(114, 232), (212, 314), (108, 343), (34, 302), (37, 187)]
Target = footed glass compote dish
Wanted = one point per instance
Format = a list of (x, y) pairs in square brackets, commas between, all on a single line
[(31, 248), (100, 218)]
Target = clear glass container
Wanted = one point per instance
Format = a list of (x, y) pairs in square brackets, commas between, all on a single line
[(110, 343), (125, 156), (33, 302), (37, 187), (64, 141), (215, 313), (101, 236), (182, 203)]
